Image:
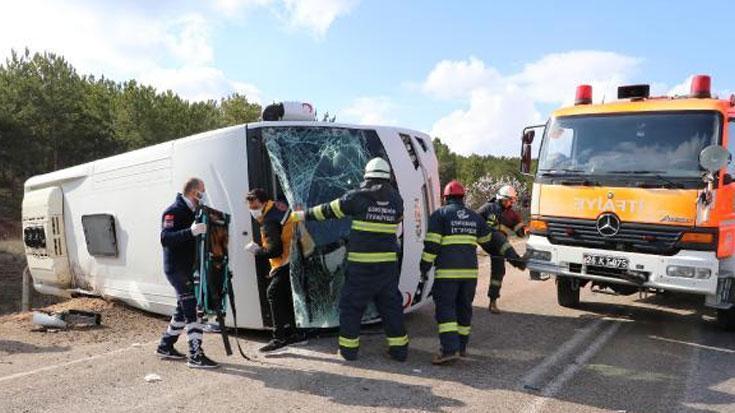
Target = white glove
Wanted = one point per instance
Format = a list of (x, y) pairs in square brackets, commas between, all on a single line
[(300, 216), (252, 247), (198, 229)]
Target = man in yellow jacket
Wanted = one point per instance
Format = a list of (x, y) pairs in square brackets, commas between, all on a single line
[(276, 233)]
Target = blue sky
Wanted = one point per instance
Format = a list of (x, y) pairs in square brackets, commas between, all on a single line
[(473, 72)]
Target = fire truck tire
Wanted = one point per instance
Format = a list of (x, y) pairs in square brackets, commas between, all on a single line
[(726, 319), (567, 292)]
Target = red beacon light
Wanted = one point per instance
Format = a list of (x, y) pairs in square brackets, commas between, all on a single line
[(701, 87), (584, 95)]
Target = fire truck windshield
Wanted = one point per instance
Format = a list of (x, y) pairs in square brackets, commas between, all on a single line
[(662, 143)]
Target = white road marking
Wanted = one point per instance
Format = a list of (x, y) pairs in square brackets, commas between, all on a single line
[(551, 389), (695, 345), (72, 362), (531, 380)]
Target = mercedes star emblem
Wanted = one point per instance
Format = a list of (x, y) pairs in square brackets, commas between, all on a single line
[(608, 224)]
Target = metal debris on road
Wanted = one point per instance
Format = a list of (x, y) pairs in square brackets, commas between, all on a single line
[(66, 319), (151, 378)]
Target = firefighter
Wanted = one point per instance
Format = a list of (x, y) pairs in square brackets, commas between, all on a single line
[(178, 233), (376, 209), (451, 244), (276, 232), (499, 214)]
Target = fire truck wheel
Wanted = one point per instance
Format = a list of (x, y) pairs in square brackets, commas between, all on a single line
[(567, 292), (726, 319)]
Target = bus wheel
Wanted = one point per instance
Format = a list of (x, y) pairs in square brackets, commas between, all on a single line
[(726, 319), (567, 292)]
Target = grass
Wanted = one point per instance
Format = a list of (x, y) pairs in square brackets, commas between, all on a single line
[(12, 246)]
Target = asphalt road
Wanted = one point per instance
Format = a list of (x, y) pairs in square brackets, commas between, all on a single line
[(643, 354)]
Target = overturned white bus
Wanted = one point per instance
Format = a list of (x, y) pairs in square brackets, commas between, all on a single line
[(94, 228)]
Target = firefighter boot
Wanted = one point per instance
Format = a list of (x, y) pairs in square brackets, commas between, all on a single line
[(444, 358)]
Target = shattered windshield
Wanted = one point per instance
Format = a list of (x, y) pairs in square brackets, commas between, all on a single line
[(667, 143), (315, 165)]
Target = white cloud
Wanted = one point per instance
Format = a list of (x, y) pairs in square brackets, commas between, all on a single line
[(499, 106), (457, 79), (554, 77), (369, 111), (315, 16), (167, 52), (234, 7), (491, 125), (681, 89), (199, 83)]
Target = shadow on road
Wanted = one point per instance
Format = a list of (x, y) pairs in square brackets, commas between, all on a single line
[(345, 390), (14, 347)]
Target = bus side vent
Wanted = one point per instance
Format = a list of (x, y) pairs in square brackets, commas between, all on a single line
[(410, 149)]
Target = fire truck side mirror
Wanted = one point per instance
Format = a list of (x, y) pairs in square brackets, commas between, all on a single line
[(526, 142), (713, 158), (528, 136), (526, 158)]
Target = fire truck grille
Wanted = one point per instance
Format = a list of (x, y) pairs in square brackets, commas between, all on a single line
[(643, 238)]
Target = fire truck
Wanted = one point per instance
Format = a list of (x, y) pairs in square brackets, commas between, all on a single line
[(636, 195)]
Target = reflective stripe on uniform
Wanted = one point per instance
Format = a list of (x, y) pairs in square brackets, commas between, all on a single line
[(505, 248), (505, 230), (374, 227), (349, 342), (485, 239), (433, 237), (397, 341), (496, 283), (456, 273), (459, 240), (518, 227), (448, 327), (428, 257), (336, 209), (318, 214), (492, 222), (372, 257), (463, 330)]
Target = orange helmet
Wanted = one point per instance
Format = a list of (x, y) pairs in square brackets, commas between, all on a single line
[(454, 188)]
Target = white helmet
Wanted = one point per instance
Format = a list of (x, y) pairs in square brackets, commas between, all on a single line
[(507, 192), (377, 168)]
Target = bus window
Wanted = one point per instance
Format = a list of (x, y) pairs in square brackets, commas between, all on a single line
[(314, 165)]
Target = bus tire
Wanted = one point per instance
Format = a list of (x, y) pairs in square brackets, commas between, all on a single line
[(567, 292)]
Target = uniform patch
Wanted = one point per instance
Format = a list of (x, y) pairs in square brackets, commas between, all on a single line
[(168, 221)]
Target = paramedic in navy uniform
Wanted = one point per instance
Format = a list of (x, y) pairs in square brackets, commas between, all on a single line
[(178, 233)]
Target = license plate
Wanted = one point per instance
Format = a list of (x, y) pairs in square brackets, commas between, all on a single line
[(605, 261)]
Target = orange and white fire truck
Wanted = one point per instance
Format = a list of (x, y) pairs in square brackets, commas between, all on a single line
[(637, 195)]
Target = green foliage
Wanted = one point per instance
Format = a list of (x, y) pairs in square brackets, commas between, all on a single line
[(51, 117), (470, 169)]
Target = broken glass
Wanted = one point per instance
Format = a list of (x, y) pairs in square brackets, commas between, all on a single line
[(315, 165)]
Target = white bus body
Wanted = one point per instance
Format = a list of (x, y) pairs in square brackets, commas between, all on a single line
[(133, 189)]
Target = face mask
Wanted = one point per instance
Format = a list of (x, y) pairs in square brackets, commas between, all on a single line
[(256, 213), (202, 198)]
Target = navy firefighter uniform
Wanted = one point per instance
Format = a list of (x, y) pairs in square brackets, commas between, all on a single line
[(372, 274), (507, 221), (450, 244), (178, 264)]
